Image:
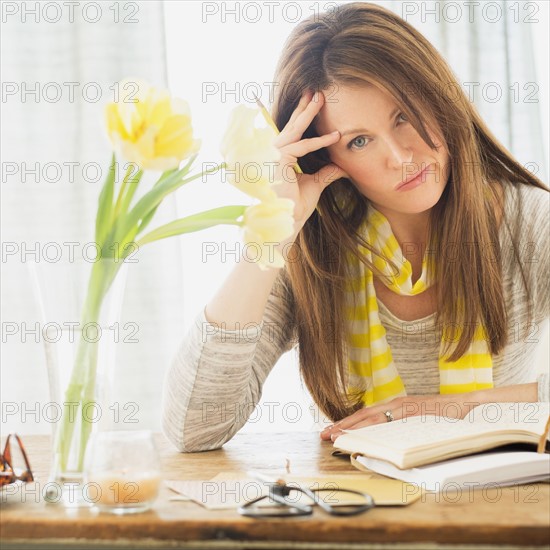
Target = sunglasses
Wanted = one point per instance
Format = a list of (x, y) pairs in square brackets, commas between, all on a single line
[(8, 474)]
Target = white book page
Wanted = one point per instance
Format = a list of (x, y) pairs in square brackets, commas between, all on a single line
[(531, 417), (494, 467), (425, 430)]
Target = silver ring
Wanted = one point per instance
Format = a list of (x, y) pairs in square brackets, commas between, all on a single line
[(389, 416)]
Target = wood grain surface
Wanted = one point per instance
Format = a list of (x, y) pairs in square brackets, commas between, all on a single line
[(485, 517)]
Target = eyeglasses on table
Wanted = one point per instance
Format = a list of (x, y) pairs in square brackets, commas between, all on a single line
[(284, 498)]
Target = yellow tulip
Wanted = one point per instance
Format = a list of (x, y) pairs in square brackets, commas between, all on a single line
[(249, 154), (270, 221), (149, 127)]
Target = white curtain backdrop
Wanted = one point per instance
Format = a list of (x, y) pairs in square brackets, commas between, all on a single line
[(494, 58), (217, 54), (39, 53)]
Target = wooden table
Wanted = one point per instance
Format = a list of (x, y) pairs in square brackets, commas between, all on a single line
[(518, 517)]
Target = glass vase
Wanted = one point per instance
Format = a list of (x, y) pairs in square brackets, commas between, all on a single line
[(80, 303)]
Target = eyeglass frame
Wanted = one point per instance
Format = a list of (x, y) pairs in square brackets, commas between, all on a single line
[(7, 471), (278, 492)]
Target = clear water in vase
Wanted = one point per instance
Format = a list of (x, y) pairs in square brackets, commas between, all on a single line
[(80, 304)]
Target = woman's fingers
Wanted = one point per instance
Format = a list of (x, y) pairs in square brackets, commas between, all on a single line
[(303, 189), (366, 416), (291, 153), (293, 131), (370, 420), (329, 173), (303, 103), (305, 146), (289, 141)]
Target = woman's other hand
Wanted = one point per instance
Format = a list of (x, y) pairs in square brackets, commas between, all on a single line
[(451, 406)]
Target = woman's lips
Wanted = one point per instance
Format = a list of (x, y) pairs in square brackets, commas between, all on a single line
[(415, 182)]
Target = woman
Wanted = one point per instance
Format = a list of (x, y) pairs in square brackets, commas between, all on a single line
[(411, 299)]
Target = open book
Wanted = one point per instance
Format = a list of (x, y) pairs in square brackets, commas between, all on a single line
[(424, 439), (504, 467)]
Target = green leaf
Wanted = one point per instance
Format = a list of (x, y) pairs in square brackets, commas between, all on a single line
[(127, 199), (122, 190), (223, 215), (104, 216), (145, 221), (153, 198)]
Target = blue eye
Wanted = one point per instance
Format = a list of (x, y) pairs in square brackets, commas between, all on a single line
[(354, 141)]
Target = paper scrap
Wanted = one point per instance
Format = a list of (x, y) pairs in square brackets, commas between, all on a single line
[(230, 490)]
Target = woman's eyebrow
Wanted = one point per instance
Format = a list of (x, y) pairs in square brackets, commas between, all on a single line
[(356, 130)]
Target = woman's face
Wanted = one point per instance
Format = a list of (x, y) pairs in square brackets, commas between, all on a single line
[(379, 149)]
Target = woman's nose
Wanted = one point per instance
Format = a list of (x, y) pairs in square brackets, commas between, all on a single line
[(398, 154)]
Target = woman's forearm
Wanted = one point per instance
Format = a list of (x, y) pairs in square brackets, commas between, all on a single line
[(456, 405), (242, 298), (518, 393)]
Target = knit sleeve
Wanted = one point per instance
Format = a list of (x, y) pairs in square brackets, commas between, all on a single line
[(540, 246), (543, 382), (216, 377), (538, 252)]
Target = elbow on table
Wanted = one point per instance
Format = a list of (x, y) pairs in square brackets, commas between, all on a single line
[(183, 447), (200, 443), (191, 447)]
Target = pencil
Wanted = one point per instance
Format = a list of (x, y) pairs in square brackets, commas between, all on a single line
[(270, 121), (259, 476)]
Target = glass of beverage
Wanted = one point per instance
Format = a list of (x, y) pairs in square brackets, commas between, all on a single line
[(122, 473)]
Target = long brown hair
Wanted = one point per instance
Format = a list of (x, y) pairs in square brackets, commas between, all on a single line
[(358, 44)]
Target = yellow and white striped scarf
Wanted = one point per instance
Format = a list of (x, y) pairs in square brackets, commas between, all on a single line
[(371, 368)]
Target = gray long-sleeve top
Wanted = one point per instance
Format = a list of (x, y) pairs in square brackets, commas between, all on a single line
[(216, 377)]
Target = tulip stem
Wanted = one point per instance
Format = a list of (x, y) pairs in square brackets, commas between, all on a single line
[(123, 189)]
